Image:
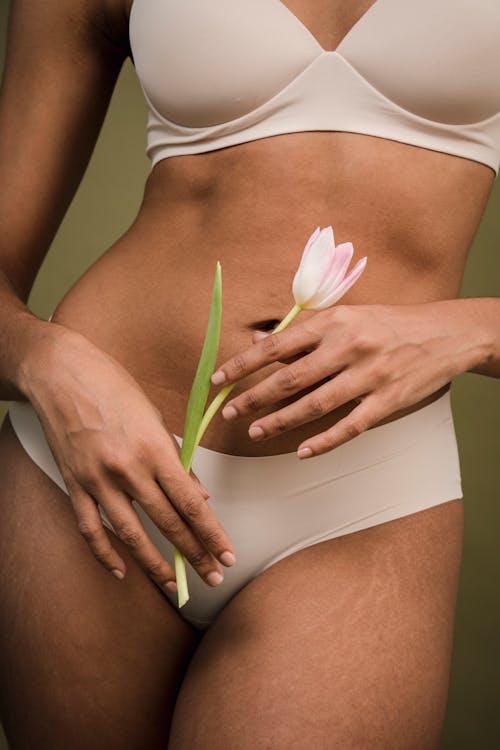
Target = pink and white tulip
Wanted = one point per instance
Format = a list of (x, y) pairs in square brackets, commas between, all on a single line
[(321, 278)]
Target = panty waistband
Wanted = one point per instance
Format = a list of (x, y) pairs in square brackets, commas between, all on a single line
[(429, 430)]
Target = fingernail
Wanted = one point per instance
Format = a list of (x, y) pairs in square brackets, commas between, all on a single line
[(256, 433), (259, 335), (214, 578), (229, 412), (304, 452), (227, 558), (218, 377), (118, 574), (171, 586)]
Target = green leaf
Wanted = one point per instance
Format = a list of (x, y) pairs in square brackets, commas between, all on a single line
[(201, 384), (196, 406)]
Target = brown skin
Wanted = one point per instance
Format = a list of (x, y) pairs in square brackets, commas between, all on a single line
[(412, 211), (197, 209)]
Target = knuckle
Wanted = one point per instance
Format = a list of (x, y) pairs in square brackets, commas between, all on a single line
[(156, 569), (251, 401), (380, 371), (169, 524), (192, 507), (112, 458), (92, 481), (198, 557), (168, 478), (211, 538), (316, 406), (129, 536), (280, 424), (115, 465), (362, 343), (119, 463), (314, 333), (88, 529), (290, 378), (271, 345), (102, 555), (355, 427), (238, 366), (340, 314), (145, 451), (339, 311), (395, 396)]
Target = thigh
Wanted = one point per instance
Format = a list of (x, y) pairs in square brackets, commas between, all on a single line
[(345, 644), (85, 660)]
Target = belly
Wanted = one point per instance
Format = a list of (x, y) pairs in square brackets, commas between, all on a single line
[(252, 207)]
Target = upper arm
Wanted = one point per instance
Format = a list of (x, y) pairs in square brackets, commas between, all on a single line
[(62, 61)]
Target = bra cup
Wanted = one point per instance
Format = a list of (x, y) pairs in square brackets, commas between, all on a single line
[(217, 73), (439, 60), (205, 63)]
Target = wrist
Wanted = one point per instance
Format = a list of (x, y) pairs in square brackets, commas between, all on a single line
[(40, 337), (481, 321)]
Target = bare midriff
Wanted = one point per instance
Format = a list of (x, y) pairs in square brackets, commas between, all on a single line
[(412, 211)]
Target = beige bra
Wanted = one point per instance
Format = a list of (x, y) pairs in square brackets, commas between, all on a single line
[(216, 73)]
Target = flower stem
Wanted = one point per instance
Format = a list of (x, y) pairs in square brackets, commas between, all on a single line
[(288, 318), (180, 568), (210, 412), (180, 578)]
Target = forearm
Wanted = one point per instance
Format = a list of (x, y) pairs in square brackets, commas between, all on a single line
[(20, 330), (479, 319)]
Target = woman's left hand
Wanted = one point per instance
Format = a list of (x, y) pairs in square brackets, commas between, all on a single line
[(387, 357)]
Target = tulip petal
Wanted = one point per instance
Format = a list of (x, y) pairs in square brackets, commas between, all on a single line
[(346, 284), (313, 266), (341, 259), (309, 242)]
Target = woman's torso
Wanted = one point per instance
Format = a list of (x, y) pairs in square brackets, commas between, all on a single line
[(252, 206)]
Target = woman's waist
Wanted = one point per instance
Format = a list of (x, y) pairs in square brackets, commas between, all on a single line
[(149, 302), (163, 359), (165, 269), (147, 305)]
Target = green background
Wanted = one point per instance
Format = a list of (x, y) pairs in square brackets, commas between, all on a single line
[(105, 205)]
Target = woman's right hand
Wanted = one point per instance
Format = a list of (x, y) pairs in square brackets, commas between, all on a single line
[(112, 446)]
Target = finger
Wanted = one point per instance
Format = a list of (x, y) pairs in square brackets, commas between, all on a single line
[(259, 335), (373, 408), (198, 514), (270, 349), (202, 487), (129, 529), (161, 511), (316, 404), (177, 448), (281, 384), (91, 528)]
